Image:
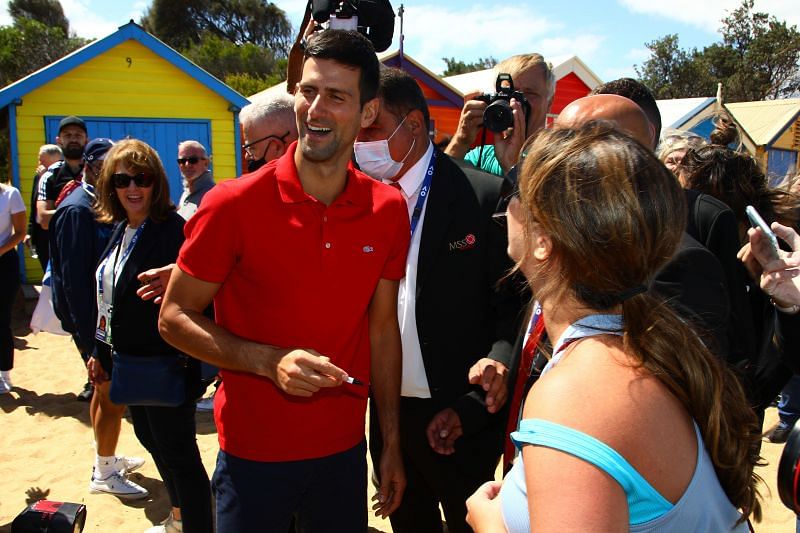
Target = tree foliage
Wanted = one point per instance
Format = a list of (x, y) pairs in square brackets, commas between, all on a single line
[(455, 66), (48, 12), (758, 58), (181, 23), (29, 45), (242, 42)]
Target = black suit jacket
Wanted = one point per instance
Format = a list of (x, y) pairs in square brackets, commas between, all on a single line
[(134, 323), (463, 313), (713, 224)]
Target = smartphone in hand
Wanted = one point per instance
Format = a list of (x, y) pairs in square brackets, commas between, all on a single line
[(758, 222)]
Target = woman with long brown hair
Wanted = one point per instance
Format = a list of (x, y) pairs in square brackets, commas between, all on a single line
[(634, 424)]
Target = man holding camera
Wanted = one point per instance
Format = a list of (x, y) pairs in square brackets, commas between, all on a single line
[(533, 78), (450, 441)]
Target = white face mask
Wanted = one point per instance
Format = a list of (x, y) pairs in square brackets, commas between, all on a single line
[(375, 160)]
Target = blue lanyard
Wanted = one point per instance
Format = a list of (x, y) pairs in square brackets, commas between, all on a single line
[(423, 195), (125, 255)]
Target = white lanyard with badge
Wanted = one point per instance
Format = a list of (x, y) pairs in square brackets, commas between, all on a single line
[(105, 309)]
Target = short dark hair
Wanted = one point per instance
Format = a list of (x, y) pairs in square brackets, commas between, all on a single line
[(352, 49), (638, 92), (401, 94)]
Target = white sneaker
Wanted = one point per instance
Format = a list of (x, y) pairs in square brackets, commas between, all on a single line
[(126, 465), (170, 525), (119, 486), (206, 404)]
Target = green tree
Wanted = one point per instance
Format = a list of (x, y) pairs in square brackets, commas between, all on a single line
[(758, 58), (181, 23), (172, 22), (221, 57), (455, 66), (48, 12), (29, 45)]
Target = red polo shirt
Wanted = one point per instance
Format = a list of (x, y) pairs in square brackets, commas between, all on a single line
[(295, 273)]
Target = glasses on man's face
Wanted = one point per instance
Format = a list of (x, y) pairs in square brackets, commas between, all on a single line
[(190, 160), (246, 147), (122, 180)]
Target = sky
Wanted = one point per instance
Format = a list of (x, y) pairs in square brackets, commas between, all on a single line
[(608, 36)]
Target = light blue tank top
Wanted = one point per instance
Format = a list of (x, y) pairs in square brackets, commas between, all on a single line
[(703, 507)]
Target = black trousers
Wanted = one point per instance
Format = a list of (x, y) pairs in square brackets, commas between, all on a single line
[(169, 434), (9, 286), (433, 478)]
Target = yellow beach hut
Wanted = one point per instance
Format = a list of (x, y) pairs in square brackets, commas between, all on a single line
[(128, 84)]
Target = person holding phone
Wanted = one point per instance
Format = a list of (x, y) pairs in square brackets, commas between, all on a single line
[(736, 179)]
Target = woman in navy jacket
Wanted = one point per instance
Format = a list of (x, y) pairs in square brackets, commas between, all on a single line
[(133, 193)]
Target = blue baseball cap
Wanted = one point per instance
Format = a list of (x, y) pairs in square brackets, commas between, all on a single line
[(96, 149)]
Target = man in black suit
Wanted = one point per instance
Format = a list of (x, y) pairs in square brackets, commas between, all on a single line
[(451, 311)]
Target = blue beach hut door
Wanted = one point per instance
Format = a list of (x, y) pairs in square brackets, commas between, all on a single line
[(162, 134)]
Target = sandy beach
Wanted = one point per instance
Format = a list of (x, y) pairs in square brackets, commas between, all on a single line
[(47, 451)]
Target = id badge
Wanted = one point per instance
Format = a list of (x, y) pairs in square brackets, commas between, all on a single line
[(103, 330)]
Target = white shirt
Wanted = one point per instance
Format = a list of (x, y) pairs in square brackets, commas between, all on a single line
[(415, 381), (10, 204)]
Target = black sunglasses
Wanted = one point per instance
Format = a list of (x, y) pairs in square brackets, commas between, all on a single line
[(122, 181), (191, 160)]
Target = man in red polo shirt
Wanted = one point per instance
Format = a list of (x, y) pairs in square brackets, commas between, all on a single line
[(302, 260)]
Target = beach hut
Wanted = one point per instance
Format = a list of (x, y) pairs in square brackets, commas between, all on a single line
[(689, 114), (128, 84), (771, 131)]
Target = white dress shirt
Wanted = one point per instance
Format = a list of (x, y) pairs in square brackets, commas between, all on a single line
[(415, 381)]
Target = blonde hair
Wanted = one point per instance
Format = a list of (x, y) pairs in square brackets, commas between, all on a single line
[(517, 64)]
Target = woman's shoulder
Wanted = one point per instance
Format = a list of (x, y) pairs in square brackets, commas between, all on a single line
[(600, 389)]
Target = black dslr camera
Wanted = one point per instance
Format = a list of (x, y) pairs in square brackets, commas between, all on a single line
[(372, 18), (497, 116)]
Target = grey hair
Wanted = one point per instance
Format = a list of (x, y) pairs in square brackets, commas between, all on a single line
[(52, 150), (279, 106), (193, 144)]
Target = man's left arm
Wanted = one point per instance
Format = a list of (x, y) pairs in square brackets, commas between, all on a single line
[(386, 372)]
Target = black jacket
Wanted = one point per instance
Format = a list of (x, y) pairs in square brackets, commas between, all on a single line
[(462, 314), (76, 242), (134, 323)]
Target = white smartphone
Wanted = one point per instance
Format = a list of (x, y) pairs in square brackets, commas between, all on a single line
[(757, 222)]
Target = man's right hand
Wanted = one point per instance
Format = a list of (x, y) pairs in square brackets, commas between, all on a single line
[(302, 372), (469, 123)]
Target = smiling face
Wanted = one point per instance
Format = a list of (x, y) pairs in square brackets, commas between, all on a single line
[(329, 114), (135, 200)]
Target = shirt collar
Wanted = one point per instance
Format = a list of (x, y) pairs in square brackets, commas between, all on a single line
[(412, 180), (357, 190)]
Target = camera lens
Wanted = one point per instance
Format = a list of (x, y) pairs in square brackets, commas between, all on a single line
[(497, 116)]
